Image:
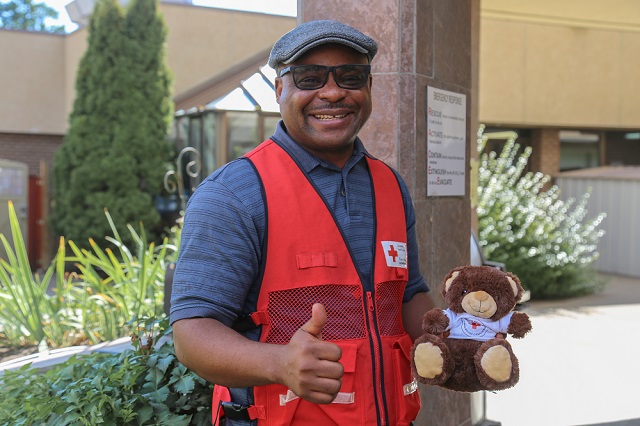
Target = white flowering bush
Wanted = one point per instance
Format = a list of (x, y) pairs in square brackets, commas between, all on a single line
[(547, 242)]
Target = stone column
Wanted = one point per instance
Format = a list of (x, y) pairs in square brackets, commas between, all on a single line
[(421, 43)]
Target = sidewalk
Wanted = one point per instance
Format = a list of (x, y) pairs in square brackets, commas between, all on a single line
[(580, 364)]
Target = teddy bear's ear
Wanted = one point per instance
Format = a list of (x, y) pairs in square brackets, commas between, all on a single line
[(514, 286), (449, 280)]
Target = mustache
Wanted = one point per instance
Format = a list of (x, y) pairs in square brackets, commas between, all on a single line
[(334, 106)]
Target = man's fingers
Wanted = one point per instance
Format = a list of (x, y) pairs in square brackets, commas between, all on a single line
[(325, 393), (331, 368), (317, 321), (322, 390), (313, 369)]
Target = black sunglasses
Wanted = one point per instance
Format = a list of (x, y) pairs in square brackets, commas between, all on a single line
[(313, 77)]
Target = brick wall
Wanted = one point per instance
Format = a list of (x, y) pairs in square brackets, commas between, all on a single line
[(546, 151), (30, 149)]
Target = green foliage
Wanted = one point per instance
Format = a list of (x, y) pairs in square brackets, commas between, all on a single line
[(93, 305), (28, 15), (144, 386), (173, 242), (545, 241), (28, 314), (120, 287), (116, 150)]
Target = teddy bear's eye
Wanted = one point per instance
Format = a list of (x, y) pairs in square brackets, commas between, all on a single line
[(465, 291)]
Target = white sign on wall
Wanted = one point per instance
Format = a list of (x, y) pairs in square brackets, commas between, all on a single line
[(446, 142)]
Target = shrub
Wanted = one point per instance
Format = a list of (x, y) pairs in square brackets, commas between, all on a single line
[(119, 287), (141, 386), (93, 304), (542, 239), (29, 315)]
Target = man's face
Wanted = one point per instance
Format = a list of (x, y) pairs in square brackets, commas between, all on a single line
[(325, 121)]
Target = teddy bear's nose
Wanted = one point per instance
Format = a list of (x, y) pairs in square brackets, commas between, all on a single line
[(481, 295)]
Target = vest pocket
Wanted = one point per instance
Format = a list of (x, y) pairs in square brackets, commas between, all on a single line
[(406, 387), (345, 409), (283, 407), (348, 407)]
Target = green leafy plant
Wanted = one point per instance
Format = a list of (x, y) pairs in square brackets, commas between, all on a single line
[(92, 305), (29, 314), (173, 242), (145, 385), (544, 240), (120, 287)]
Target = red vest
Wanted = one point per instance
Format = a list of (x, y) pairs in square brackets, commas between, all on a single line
[(307, 261)]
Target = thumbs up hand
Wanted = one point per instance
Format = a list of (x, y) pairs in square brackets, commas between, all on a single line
[(311, 366)]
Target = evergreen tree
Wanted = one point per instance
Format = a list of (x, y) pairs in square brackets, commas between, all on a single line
[(28, 15), (116, 150)]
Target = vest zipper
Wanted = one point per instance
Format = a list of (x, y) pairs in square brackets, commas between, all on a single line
[(376, 361)]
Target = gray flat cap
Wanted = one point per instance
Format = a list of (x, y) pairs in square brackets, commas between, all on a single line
[(312, 34)]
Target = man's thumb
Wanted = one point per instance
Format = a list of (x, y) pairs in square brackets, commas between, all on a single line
[(317, 321)]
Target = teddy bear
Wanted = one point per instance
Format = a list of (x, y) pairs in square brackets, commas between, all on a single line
[(464, 347)]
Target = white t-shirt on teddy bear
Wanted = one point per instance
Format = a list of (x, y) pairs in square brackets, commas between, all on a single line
[(466, 326)]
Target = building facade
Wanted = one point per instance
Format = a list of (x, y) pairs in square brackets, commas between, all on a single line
[(210, 47), (560, 74)]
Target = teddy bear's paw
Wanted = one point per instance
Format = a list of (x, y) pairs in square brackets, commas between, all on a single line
[(497, 366), (429, 360), (496, 362)]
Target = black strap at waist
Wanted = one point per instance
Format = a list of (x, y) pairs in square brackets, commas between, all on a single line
[(235, 411)]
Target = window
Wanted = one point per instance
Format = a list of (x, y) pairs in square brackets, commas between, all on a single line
[(242, 133), (579, 150), (209, 143)]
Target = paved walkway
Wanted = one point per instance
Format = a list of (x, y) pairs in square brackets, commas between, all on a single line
[(580, 364)]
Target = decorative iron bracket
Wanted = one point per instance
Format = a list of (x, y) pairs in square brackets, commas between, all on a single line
[(174, 180)]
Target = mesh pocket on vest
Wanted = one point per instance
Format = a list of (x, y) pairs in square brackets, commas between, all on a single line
[(389, 306), (290, 309)]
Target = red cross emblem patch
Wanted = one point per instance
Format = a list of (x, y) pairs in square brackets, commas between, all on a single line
[(395, 253)]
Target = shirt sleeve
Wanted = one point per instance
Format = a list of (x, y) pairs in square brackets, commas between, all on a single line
[(220, 248), (452, 318)]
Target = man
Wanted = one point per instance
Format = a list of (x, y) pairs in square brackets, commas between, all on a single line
[(298, 271)]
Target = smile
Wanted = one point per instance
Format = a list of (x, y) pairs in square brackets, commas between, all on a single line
[(329, 117)]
